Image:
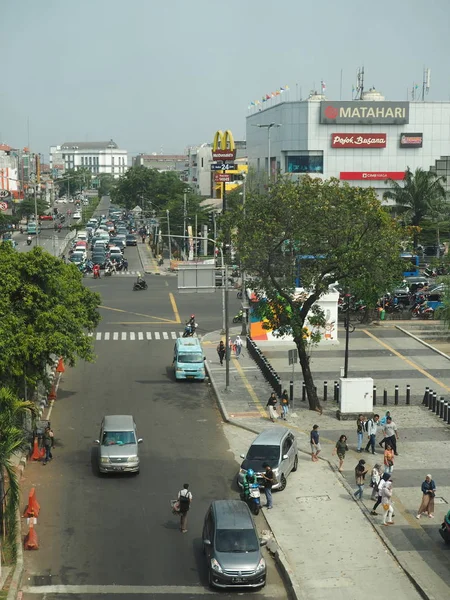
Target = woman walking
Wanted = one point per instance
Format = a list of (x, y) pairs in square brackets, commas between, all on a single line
[(360, 474), (340, 449), (384, 479), (386, 498), (375, 478), (272, 403), (315, 443), (360, 429), (428, 494), (284, 404), (388, 459)]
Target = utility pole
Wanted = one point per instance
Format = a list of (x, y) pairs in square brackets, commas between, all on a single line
[(168, 231), (268, 126), (184, 220), (243, 284)]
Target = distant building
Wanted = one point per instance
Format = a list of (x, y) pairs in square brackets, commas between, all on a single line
[(98, 157), (9, 174), (162, 162)]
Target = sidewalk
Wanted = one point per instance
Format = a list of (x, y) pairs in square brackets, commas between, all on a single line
[(335, 549), (149, 262)]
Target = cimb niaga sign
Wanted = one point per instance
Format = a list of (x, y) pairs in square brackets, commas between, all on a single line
[(371, 175), (358, 140), (358, 112)]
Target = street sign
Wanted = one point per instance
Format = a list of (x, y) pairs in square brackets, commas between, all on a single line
[(3, 206), (293, 356), (222, 166), (224, 154), (4, 193), (222, 177)]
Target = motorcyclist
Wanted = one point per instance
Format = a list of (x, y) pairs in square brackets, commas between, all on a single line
[(29, 239), (140, 279), (447, 518), (249, 481), (191, 324), (96, 271)]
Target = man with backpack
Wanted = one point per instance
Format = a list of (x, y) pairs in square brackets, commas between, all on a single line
[(371, 427), (184, 499)]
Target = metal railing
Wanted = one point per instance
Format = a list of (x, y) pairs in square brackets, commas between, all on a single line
[(266, 368)]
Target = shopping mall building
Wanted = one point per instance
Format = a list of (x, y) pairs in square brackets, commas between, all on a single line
[(363, 142)]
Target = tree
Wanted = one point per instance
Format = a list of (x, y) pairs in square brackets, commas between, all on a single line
[(107, 182), (13, 439), (45, 310), (319, 232), (27, 207), (415, 197), (74, 181)]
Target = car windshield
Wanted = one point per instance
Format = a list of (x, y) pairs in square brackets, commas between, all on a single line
[(77, 258), (192, 357), (118, 438), (236, 540), (269, 453)]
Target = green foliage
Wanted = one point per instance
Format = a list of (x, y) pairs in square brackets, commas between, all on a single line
[(44, 309), (351, 238), (74, 181), (26, 208), (107, 182)]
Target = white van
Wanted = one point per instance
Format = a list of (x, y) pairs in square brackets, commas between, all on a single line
[(83, 236)]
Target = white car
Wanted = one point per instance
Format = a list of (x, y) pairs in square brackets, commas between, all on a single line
[(116, 250), (61, 201), (77, 215)]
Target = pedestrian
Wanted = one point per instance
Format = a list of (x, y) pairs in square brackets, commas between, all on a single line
[(272, 403), (428, 494), (125, 264), (284, 404), (221, 351), (383, 419), (390, 434), (268, 483), (386, 498), (230, 347), (340, 449), (375, 478), (238, 345), (48, 444), (388, 459), (360, 474), (360, 429), (315, 443), (384, 478), (371, 428), (185, 499)]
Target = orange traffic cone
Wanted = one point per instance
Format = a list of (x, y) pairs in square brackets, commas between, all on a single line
[(33, 508), (31, 539), (37, 452), (52, 394), (60, 368)]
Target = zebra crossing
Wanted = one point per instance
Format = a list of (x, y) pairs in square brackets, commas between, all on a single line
[(135, 336), (121, 273)]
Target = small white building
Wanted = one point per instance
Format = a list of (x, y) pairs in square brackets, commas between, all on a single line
[(98, 157)]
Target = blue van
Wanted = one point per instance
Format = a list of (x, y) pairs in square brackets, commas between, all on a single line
[(188, 359)]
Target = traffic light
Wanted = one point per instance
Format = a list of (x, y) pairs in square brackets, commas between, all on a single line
[(211, 218)]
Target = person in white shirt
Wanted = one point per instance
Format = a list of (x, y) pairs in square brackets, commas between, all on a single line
[(372, 427), (237, 345), (184, 499)]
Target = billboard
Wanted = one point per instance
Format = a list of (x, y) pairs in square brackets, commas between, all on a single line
[(411, 140), (358, 140), (359, 112), (374, 175)]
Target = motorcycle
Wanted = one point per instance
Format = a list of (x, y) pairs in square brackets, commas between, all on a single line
[(108, 270), (422, 312), (29, 240), (429, 272), (253, 499), (444, 531), (189, 330), (239, 317), (140, 285), (96, 271)]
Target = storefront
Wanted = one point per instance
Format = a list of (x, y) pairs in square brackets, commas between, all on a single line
[(363, 142)]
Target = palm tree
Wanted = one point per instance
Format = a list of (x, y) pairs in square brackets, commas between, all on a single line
[(13, 439), (416, 197)]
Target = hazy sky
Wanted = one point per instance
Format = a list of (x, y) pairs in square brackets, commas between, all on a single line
[(165, 74)]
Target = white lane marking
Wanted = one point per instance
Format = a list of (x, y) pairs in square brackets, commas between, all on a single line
[(98, 335), (157, 335), (140, 335), (90, 334), (180, 333), (116, 589), (116, 335), (132, 336), (148, 335), (124, 335), (107, 335), (165, 335), (174, 335)]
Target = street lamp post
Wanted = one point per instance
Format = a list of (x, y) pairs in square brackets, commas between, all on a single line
[(168, 232), (268, 126)]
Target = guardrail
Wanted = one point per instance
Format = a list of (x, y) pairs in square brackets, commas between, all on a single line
[(267, 370)]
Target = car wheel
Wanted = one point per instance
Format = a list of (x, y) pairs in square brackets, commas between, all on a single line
[(283, 483), (295, 467)]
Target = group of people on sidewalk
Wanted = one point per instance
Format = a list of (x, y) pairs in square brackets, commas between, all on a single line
[(273, 409), (381, 474), (235, 347)]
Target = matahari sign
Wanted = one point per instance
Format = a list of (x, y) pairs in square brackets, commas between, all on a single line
[(359, 112)]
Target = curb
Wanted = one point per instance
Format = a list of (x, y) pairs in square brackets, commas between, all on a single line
[(418, 339)]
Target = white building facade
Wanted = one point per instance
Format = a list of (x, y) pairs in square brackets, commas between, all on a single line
[(363, 142), (198, 169), (98, 157)]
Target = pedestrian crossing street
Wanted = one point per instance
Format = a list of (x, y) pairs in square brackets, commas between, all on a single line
[(135, 336)]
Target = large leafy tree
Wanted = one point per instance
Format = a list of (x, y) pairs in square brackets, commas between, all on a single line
[(27, 207), (45, 310), (417, 197), (107, 182), (74, 181), (319, 232)]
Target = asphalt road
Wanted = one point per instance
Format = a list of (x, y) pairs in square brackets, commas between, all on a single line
[(119, 531)]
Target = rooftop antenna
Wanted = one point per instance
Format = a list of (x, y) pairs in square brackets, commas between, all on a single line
[(426, 82), (359, 83)]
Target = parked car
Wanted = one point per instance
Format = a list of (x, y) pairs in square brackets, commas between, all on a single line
[(232, 546), (275, 446)]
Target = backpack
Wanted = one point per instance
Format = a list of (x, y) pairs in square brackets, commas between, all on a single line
[(366, 425), (184, 501)]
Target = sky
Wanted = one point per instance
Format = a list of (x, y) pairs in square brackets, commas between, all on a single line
[(160, 75)]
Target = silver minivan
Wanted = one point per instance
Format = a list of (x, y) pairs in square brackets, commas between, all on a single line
[(276, 446), (232, 546), (118, 445)]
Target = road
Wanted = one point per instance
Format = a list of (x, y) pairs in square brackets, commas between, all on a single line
[(95, 532)]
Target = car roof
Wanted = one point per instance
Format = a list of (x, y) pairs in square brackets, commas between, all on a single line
[(118, 422), (190, 343), (232, 514), (271, 436)]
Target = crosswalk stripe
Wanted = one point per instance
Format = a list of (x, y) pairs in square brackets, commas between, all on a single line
[(98, 336), (148, 335), (90, 334), (157, 335), (174, 335), (132, 336), (165, 335), (124, 335), (140, 335), (107, 336), (116, 335)]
